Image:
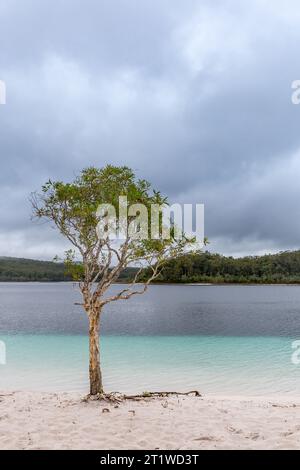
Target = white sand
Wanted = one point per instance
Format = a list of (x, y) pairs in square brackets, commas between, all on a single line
[(62, 421)]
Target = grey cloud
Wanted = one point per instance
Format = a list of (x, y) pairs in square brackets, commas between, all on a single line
[(194, 96)]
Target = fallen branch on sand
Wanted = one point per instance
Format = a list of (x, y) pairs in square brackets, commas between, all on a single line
[(116, 397)]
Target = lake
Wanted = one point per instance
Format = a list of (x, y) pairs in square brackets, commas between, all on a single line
[(222, 340)]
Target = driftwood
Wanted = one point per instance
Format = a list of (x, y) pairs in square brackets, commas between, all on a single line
[(161, 395), (116, 397)]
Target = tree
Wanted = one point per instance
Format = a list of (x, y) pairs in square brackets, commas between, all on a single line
[(97, 259)]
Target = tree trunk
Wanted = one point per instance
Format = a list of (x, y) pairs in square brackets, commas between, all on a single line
[(94, 367)]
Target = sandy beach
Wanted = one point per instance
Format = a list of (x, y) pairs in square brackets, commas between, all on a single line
[(63, 421)]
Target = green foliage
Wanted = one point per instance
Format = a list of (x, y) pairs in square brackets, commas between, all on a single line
[(28, 270), (74, 205), (283, 267), (72, 268), (206, 267), (73, 208), (23, 270)]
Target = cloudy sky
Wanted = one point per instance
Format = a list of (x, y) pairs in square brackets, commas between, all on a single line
[(193, 95)]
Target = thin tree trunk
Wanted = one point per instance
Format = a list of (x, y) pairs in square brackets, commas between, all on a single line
[(94, 366)]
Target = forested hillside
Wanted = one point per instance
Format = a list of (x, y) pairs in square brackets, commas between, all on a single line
[(18, 269), (206, 267), (283, 267)]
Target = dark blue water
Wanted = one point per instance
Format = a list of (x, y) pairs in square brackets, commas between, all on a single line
[(163, 310), (220, 340)]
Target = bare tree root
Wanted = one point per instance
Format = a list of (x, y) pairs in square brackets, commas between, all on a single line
[(116, 398), (161, 395)]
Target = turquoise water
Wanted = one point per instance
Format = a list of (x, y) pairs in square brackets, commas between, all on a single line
[(225, 340), (212, 364)]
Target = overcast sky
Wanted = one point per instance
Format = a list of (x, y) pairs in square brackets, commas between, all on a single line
[(193, 95)]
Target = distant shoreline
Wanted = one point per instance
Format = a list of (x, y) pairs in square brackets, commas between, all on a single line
[(205, 269), (187, 284)]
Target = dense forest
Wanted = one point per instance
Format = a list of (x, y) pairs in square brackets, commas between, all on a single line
[(28, 270), (283, 267), (206, 267), (19, 269)]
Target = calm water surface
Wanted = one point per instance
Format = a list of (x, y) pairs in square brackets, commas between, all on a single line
[(219, 339)]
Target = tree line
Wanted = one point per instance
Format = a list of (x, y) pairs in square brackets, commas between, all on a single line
[(29, 270), (283, 267), (205, 267)]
